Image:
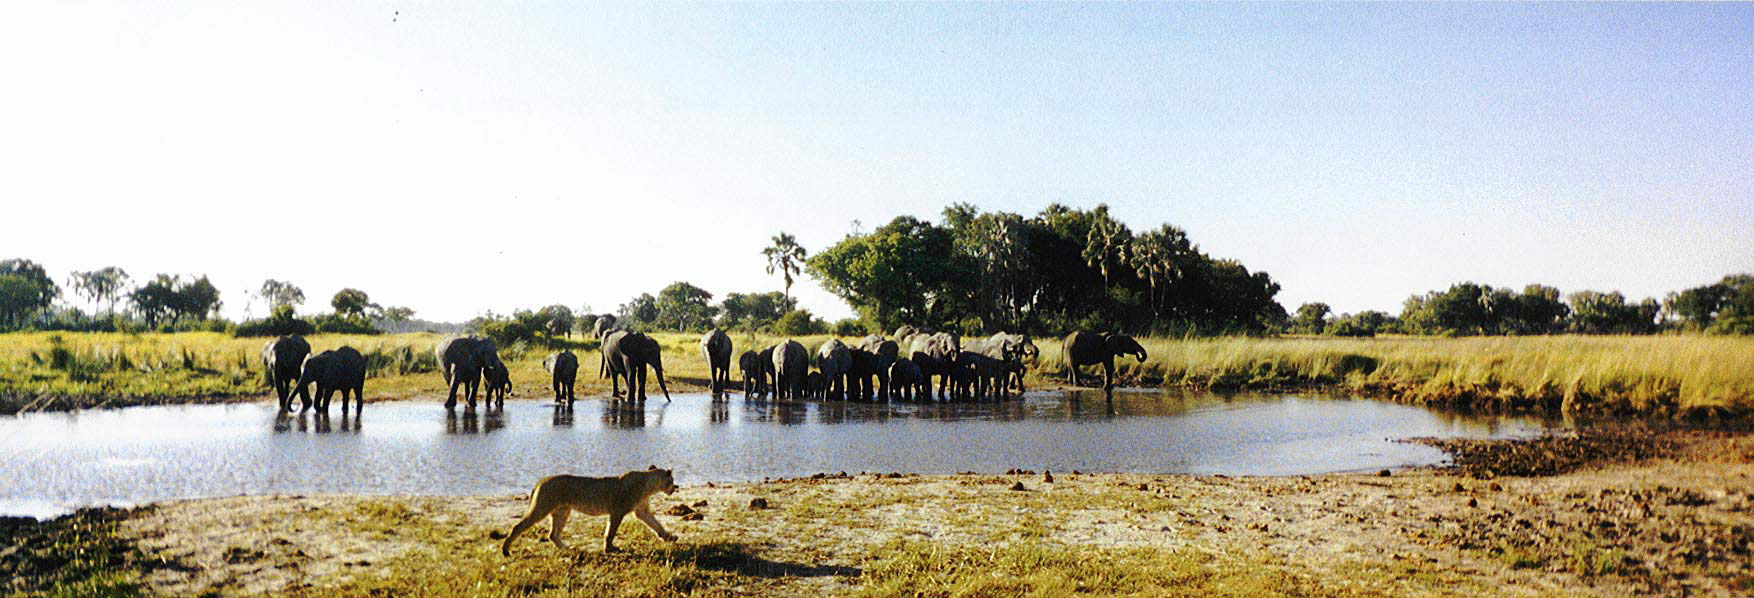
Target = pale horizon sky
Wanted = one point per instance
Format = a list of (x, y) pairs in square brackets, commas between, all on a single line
[(457, 158)]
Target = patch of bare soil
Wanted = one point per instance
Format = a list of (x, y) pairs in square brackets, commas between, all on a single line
[(1680, 523)]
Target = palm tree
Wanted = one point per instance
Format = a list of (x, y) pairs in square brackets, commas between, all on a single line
[(786, 256), (1157, 257), (1106, 245)]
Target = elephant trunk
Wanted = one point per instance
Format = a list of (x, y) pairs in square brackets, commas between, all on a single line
[(658, 366), (1141, 356)]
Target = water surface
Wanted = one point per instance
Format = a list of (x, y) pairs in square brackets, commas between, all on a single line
[(51, 463)]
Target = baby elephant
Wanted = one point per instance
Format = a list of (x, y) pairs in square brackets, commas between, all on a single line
[(563, 369)]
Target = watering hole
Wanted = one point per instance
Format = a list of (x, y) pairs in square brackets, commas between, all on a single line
[(52, 463)]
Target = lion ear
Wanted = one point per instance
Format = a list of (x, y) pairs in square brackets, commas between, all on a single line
[(651, 468)]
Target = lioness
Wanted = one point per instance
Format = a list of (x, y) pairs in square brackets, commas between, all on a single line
[(560, 495)]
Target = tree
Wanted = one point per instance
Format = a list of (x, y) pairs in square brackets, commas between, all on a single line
[(279, 293), (101, 286), (395, 316), (156, 300), (1105, 247), (1595, 312), (31, 290), (904, 272), (799, 322), (1311, 318), (197, 300), (1160, 257), (753, 311), (640, 312), (351, 303), (685, 307), (18, 300), (785, 256), (557, 320)]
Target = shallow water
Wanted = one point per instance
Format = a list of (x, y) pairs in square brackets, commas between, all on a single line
[(51, 463)]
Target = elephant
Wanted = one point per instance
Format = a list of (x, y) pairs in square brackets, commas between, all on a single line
[(882, 352), (935, 355), (750, 365), (628, 354), (905, 376), (341, 369), (603, 325), (980, 375), (1026, 350), (1009, 351), (462, 361), (1085, 348), (283, 358), (601, 329), (499, 382), (715, 346), (790, 364), (815, 386), (834, 361), (563, 370)]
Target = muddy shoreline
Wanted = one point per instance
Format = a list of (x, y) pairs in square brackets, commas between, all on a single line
[(1642, 511)]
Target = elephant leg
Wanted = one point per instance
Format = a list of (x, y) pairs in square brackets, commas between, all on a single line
[(451, 400), (471, 387), (640, 371), (1108, 374)]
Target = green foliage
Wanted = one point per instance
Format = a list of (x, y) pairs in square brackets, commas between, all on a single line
[(344, 324), (1608, 313), (351, 302), (169, 298), (785, 256), (1725, 307), (25, 289), (799, 322), (638, 313), (281, 322), (1469, 309), (521, 327), (1362, 324), (684, 307), (1062, 269), (1311, 318), (753, 312), (849, 327)]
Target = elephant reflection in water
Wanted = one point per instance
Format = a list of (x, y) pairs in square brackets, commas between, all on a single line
[(720, 413), (563, 416), (624, 416), (470, 423), (317, 422)]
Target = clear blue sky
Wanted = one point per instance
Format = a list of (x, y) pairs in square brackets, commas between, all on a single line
[(459, 158)]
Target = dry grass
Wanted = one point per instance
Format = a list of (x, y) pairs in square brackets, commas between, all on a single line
[(1616, 374)]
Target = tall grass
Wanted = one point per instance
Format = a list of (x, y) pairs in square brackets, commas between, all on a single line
[(1612, 374), (1615, 374)]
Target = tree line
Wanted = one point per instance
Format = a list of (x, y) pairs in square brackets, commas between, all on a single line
[(1466, 309), (172, 302)]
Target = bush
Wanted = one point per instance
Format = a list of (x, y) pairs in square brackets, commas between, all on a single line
[(281, 323), (850, 327), (336, 324), (799, 322)]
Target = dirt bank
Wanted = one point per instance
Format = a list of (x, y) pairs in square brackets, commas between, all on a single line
[(1674, 521)]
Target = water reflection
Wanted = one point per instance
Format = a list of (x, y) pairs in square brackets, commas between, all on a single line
[(470, 422), (315, 421), (563, 415), (156, 453), (624, 415)]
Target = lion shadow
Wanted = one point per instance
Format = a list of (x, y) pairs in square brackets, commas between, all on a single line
[(732, 557)]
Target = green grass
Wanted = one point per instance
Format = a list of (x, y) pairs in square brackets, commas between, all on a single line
[(1618, 374), (82, 554)]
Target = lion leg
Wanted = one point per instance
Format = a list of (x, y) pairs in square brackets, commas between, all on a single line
[(558, 524), (609, 532), (644, 513), (536, 514)]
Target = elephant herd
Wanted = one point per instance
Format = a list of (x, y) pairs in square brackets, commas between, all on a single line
[(904, 367)]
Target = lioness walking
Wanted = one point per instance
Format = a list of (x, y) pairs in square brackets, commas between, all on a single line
[(558, 496)]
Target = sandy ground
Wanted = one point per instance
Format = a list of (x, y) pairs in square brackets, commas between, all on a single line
[(1682, 524)]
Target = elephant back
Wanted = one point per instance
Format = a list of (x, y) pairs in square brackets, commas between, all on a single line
[(346, 367), (886, 350), (790, 357), (749, 361), (564, 364), (904, 371), (832, 356)]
